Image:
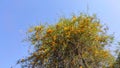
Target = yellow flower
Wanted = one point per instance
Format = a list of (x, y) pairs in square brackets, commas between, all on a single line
[(30, 30), (97, 38), (82, 30), (53, 43), (38, 28), (97, 24), (80, 66), (72, 28), (106, 54), (33, 42), (54, 37), (74, 18), (96, 52), (37, 35), (65, 28), (49, 31), (78, 30)]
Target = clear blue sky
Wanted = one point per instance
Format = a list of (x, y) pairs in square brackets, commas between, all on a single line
[(16, 16)]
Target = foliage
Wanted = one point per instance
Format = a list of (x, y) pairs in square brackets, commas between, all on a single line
[(117, 63), (78, 42)]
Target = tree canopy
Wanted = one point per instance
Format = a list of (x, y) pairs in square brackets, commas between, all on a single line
[(77, 42)]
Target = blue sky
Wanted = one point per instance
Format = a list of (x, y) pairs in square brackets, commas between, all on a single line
[(16, 16)]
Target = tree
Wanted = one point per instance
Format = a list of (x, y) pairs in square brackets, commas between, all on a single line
[(71, 43), (117, 63)]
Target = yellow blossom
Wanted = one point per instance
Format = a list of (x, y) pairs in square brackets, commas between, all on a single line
[(38, 28), (49, 31), (82, 30), (97, 38), (30, 30), (54, 37), (97, 24), (78, 30), (53, 43), (74, 18), (72, 28), (80, 66), (65, 28), (96, 52), (37, 35)]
